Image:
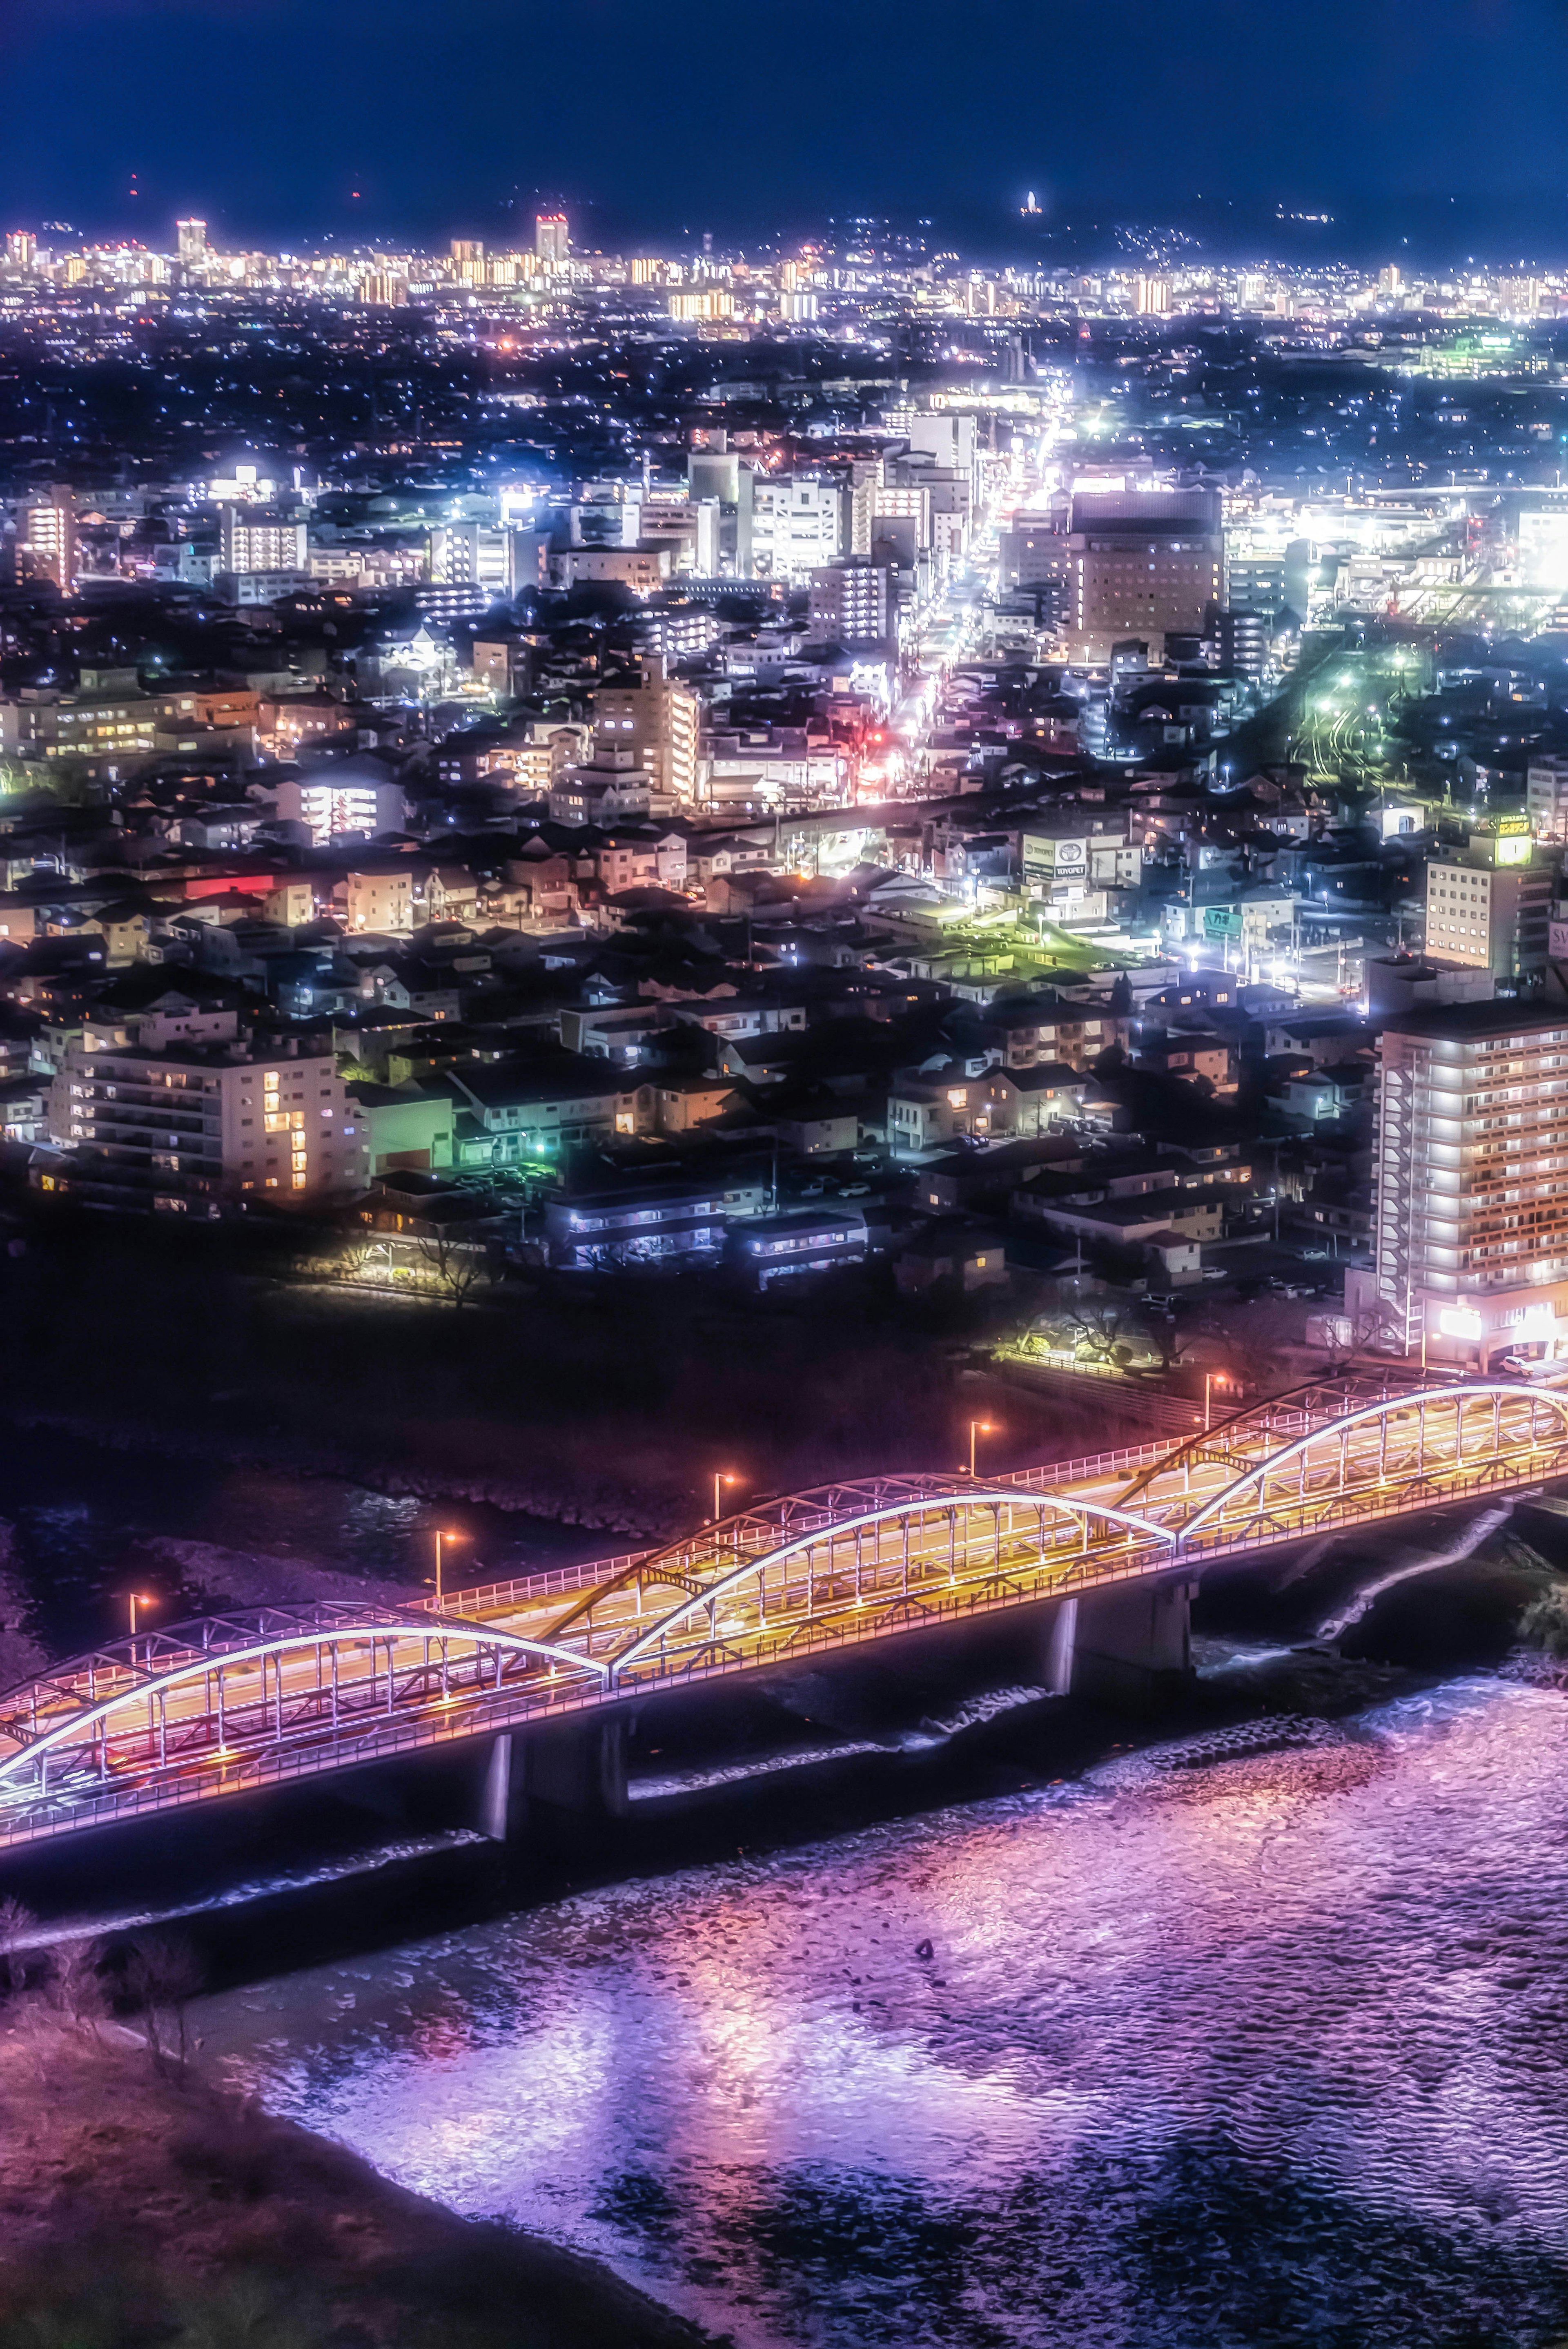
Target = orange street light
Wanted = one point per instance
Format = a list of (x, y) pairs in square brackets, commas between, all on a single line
[(1211, 1379), (979, 1427), (720, 1478), (140, 1598), (441, 1536)]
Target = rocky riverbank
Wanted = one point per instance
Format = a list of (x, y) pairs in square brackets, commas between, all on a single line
[(144, 2204)]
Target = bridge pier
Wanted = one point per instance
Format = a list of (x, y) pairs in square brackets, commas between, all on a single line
[(1061, 1640), (1127, 1647), (576, 1767)]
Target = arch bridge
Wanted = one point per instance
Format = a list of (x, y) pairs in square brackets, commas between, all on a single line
[(244, 1699)]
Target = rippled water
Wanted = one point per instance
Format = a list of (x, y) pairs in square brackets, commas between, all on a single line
[(1265, 2050)]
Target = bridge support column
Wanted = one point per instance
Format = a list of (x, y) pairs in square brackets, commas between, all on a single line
[(503, 1797), (1134, 1645), (1061, 1640), (579, 1765)]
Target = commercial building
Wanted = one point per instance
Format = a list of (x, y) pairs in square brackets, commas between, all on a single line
[(1143, 564), (1489, 905), (1470, 1161)]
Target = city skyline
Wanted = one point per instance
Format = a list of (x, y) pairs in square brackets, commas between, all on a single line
[(194, 105)]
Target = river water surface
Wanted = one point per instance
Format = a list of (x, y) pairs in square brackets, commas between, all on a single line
[(1213, 2054)]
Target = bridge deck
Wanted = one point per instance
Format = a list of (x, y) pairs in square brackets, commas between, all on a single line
[(248, 1700)]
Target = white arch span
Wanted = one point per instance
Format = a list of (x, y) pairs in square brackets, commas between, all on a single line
[(433, 1629), (929, 1505), (1391, 1406)]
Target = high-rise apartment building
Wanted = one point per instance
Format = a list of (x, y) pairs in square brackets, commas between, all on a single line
[(1489, 906), (46, 537), (21, 249), (1143, 564), (192, 240), (552, 239), (658, 716), (852, 603), (1470, 1233)]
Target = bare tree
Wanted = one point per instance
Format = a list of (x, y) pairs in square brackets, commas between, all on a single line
[(1099, 1332), (78, 1988), (163, 1974), (17, 1923), (455, 1267)]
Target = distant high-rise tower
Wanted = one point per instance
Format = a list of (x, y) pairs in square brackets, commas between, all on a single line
[(193, 236), (552, 239), (21, 249), (47, 538)]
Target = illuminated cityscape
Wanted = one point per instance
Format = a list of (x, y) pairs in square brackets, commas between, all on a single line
[(784, 1172)]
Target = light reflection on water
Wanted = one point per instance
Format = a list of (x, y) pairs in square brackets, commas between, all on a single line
[(1269, 2050)]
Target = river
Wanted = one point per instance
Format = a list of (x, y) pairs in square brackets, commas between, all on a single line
[(1216, 2053)]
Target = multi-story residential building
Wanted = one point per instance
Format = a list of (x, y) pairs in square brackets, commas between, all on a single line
[(1471, 1168), (553, 239), (852, 602), (1546, 798), (658, 716), (1489, 905), (250, 541), (189, 1128), (335, 802), (47, 538)]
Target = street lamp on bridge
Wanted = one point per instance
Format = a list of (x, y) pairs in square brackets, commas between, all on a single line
[(1211, 1379), (979, 1427), (140, 1598), (719, 1478), (442, 1536)]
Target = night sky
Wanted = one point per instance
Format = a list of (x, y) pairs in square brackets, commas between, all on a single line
[(1439, 120)]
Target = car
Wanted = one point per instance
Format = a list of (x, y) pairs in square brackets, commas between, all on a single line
[(1213, 1272)]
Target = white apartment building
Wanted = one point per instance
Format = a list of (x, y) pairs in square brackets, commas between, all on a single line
[(1471, 1231), (338, 800), (250, 541), (186, 1128)]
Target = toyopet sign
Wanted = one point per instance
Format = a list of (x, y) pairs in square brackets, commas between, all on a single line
[(1040, 853)]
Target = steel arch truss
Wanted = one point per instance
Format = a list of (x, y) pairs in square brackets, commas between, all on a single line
[(217, 1695), (1407, 1449), (848, 1559)]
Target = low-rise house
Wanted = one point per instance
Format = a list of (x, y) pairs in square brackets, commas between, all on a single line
[(953, 1253), (531, 1108), (802, 1240)]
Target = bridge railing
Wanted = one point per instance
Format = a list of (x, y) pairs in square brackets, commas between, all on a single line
[(525, 1589)]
